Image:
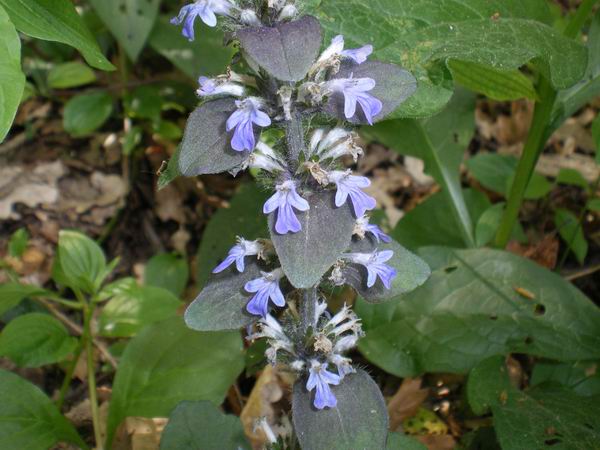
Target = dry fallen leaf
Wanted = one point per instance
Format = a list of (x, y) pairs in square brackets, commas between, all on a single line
[(438, 442), (406, 402)]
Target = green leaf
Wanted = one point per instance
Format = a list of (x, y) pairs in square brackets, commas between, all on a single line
[(12, 293), (144, 102), (200, 425), (242, 218), (470, 309), (571, 232), (12, 79), (593, 204), (569, 101), (580, 377), (130, 21), (536, 418), (496, 173), (86, 113), (428, 222), (69, 75), (82, 261), (422, 35), (18, 243), (168, 363), (206, 56), (397, 441), (496, 84), (171, 172), (36, 339), (306, 256), (441, 151), (360, 419), (572, 177), (596, 136), (135, 307), (28, 419), (56, 20), (168, 271)]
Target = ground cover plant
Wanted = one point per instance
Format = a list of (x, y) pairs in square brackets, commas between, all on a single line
[(315, 224)]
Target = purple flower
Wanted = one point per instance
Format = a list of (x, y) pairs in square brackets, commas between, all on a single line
[(336, 49), (264, 288), (285, 200), (374, 263), (206, 9), (351, 185), (237, 254), (321, 378), (363, 227), (248, 113), (355, 90)]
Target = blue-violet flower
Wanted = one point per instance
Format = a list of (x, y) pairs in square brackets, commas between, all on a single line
[(238, 252), (206, 9), (351, 185), (375, 265), (247, 114), (219, 86), (320, 378), (265, 288), (355, 90), (336, 50), (362, 227), (265, 158), (285, 200)]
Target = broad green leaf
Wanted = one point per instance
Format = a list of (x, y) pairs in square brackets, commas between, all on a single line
[(56, 20), (496, 173), (580, 377), (442, 151), (221, 305), (168, 363), (496, 84), (81, 260), (206, 56), (593, 204), (12, 79), (130, 21), (12, 293), (569, 101), (69, 75), (596, 136), (397, 441), (306, 256), (411, 271), (422, 35), (135, 307), (168, 271), (86, 113), (571, 232), (144, 102), (28, 419), (18, 243), (470, 309), (360, 419), (242, 218), (285, 51), (36, 339), (536, 418), (202, 426), (429, 224)]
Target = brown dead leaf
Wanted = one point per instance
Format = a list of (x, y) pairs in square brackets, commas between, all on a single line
[(406, 402), (438, 442), (544, 252), (169, 205), (268, 390)]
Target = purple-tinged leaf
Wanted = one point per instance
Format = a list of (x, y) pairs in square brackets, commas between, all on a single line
[(393, 85), (286, 51)]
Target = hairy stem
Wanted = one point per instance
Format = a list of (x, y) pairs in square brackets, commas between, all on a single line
[(295, 139), (308, 308)]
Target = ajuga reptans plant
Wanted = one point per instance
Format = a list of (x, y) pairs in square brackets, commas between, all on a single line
[(305, 102)]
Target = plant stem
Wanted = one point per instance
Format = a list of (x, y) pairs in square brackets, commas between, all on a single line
[(69, 374), (308, 308), (537, 137), (295, 139), (531, 153)]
